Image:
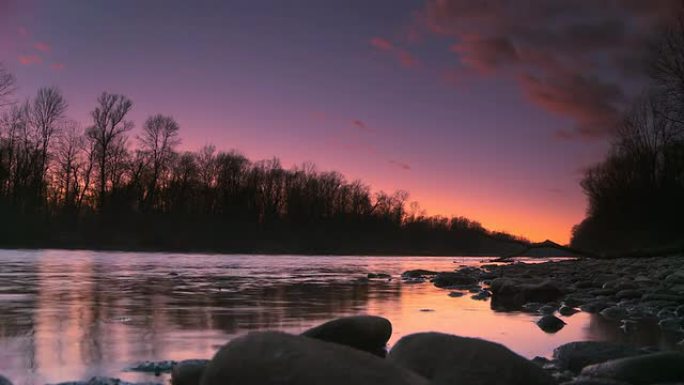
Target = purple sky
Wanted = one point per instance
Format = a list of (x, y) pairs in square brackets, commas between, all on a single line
[(486, 109)]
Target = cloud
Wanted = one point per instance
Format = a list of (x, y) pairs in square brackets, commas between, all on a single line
[(403, 56), (485, 54), (57, 66), (568, 55), (42, 46), (381, 44), (360, 125), (590, 102), (406, 59), (30, 59), (402, 165)]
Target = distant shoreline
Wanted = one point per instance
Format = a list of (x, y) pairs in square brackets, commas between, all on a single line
[(250, 253)]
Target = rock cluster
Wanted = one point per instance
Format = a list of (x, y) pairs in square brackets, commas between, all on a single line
[(625, 290)]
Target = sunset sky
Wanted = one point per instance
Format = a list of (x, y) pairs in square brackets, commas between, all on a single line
[(485, 109)]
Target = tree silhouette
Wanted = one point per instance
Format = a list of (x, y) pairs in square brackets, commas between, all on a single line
[(61, 186), (108, 137)]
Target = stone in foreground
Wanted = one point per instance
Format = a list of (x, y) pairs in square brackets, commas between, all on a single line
[(574, 356), (188, 372), (512, 294), (273, 358), (448, 359), (4, 380), (594, 381), (550, 323), (367, 333), (106, 381), (155, 367), (641, 370)]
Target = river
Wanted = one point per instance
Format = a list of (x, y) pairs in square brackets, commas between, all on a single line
[(70, 315)]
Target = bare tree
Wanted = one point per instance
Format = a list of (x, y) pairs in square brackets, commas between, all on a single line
[(70, 164), (667, 68), (157, 144), (46, 111), (7, 86), (108, 134)]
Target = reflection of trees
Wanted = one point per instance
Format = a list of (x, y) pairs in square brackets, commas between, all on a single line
[(84, 313)]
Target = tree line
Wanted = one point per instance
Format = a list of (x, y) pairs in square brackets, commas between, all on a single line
[(100, 186), (636, 194)]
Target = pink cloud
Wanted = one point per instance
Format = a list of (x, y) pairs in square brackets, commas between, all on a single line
[(403, 56), (42, 46), (485, 54), (23, 32), (401, 165), (57, 66), (359, 124), (30, 59), (407, 59), (381, 44), (593, 104)]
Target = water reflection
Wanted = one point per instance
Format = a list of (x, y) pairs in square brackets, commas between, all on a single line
[(74, 314)]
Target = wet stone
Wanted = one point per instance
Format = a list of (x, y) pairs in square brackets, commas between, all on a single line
[(156, 367), (550, 324), (272, 358), (576, 355), (567, 310), (448, 359), (367, 333), (641, 370)]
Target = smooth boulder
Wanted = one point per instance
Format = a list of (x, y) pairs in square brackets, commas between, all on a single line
[(4, 380), (574, 356), (448, 359), (550, 323), (453, 280), (512, 294), (641, 370), (188, 372), (273, 358), (367, 333)]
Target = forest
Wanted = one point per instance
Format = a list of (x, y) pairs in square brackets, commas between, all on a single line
[(636, 194), (95, 185)]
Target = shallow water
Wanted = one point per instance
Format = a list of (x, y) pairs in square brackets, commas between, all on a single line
[(70, 315)]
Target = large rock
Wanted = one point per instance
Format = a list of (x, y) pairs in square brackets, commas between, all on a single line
[(641, 370), (367, 333), (188, 372), (595, 381), (453, 280), (106, 381), (4, 380), (576, 355), (550, 324), (512, 294), (447, 359), (272, 358)]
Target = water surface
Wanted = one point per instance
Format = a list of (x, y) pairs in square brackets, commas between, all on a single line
[(69, 315)]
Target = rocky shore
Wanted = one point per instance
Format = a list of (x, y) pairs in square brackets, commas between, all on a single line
[(353, 350)]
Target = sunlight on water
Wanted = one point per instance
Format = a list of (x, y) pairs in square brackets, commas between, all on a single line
[(69, 315)]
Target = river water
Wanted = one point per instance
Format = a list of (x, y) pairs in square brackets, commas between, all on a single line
[(71, 315)]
